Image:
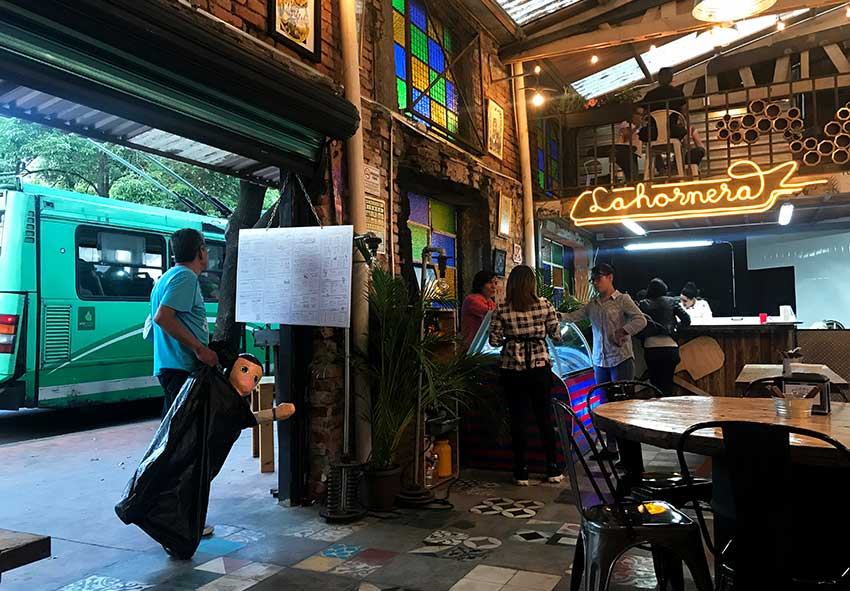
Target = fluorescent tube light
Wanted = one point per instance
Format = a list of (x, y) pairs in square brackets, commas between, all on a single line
[(785, 214), (668, 245), (635, 227)]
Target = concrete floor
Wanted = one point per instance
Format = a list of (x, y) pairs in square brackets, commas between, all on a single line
[(66, 486)]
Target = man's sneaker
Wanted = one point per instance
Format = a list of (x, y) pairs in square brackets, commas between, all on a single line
[(208, 531), (521, 481), (554, 475)]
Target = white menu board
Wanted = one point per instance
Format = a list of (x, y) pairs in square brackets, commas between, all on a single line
[(297, 276)]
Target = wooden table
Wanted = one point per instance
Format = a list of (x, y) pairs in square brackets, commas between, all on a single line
[(19, 549), (661, 421), (757, 371)]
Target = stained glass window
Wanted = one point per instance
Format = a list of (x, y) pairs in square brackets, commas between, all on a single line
[(433, 223), (423, 51), (548, 161), (557, 262)]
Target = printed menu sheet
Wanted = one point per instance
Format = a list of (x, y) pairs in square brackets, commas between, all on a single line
[(296, 276)]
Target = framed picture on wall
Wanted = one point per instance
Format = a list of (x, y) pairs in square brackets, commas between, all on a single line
[(500, 258), (505, 207), (297, 23), (495, 129)]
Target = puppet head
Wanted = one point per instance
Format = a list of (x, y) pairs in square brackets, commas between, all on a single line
[(245, 374)]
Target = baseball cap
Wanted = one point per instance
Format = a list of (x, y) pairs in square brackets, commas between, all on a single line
[(600, 270)]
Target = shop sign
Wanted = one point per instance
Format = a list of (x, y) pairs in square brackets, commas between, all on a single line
[(376, 220), (745, 189), (372, 180)]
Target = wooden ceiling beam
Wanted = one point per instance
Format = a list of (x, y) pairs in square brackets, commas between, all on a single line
[(682, 21)]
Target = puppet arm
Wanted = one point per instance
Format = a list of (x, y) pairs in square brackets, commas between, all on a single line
[(281, 412)]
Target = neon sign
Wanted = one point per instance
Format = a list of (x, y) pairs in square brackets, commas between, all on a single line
[(746, 188)]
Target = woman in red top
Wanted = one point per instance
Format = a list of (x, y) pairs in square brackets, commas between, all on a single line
[(477, 304)]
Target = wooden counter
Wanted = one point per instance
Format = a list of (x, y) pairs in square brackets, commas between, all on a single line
[(741, 342)]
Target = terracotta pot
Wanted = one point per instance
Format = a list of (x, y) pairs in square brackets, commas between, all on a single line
[(381, 487)]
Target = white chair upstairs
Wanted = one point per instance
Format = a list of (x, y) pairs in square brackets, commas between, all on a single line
[(664, 144)]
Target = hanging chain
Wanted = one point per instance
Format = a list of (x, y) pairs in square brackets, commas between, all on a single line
[(276, 205), (309, 201)]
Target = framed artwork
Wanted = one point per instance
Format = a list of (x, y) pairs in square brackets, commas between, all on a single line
[(495, 129), (500, 258), (297, 23), (505, 207), (517, 256)]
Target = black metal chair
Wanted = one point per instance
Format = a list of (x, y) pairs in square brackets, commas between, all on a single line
[(664, 486), (611, 525), (777, 536)]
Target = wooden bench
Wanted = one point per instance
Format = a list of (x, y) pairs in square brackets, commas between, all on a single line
[(262, 437), (19, 549)]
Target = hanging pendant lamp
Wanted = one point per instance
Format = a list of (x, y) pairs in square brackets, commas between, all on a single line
[(721, 11)]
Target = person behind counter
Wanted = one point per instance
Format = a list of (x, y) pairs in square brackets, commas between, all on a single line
[(696, 307), (615, 318), (520, 325), (660, 349), (476, 305)]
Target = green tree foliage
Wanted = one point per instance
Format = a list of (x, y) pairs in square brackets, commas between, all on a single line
[(66, 161)]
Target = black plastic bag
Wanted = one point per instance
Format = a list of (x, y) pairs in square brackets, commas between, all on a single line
[(168, 495)]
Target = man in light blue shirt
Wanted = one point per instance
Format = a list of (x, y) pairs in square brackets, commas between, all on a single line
[(180, 330)]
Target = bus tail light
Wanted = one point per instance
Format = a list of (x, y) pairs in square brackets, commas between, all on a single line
[(8, 330)]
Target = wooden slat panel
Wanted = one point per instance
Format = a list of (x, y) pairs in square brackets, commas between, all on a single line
[(19, 549)]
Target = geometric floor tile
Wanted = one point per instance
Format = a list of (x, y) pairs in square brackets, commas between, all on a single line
[(374, 556), (319, 564), (463, 554), (519, 513), (491, 574), (466, 584), (343, 551), (500, 502), (482, 543), (570, 529), (355, 568), (635, 571), (256, 571), (535, 505), (96, 583), (245, 536), (530, 535), (218, 546), (537, 581), (429, 550), (562, 540), (485, 510), (223, 565), (228, 583), (332, 534), (445, 538)]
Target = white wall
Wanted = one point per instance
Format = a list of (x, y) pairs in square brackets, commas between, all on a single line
[(821, 262)]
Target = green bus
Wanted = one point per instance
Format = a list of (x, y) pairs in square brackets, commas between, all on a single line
[(76, 272)]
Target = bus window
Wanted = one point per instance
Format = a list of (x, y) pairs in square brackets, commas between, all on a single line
[(210, 279), (112, 264)]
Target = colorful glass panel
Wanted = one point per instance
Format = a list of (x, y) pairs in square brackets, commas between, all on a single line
[(447, 242), (419, 209), (420, 75), (400, 62), (436, 58), (418, 16), (422, 107), (418, 43), (398, 29), (557, 277), (557, 254), (401, 89), (399, 5), (452, 121), (443, 217), (438, 114), (451, 96), (418, 240)]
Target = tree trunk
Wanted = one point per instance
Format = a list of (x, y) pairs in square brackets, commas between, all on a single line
[(103, 183), (247, 212)]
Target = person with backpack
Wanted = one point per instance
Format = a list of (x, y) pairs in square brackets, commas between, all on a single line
[(660, 350)]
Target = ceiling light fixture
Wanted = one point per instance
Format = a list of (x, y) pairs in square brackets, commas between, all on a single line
[(780, 25), (667, 245), (721, 11), (594, 59), (634, 227), (785, 214), (538, 99), (537, 70)]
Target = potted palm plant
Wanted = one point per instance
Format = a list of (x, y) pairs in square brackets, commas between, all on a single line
[(398, 354)]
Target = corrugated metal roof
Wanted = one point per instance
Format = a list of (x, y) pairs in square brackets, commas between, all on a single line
[(40, 107), (525, 11)]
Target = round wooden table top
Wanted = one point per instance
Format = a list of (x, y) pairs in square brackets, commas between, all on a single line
[(661, 421)]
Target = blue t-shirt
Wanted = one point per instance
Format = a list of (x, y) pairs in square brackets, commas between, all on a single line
[(179, 289)]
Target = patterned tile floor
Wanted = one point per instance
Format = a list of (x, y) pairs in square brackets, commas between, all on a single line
[(497, 537)]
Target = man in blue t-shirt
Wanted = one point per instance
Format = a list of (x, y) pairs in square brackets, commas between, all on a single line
[(180, 330)]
